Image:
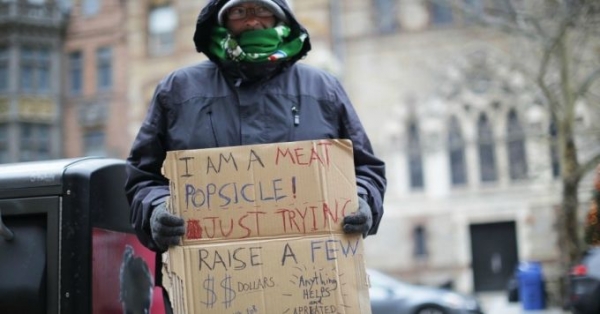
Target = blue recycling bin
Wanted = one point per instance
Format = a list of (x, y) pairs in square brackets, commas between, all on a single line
[(531, 285)]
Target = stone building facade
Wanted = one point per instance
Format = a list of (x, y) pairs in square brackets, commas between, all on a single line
[(31, 37), (473, 180)]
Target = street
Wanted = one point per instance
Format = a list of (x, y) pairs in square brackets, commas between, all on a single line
[(497, 303)]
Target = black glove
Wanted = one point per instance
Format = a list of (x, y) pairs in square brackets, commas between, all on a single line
[(166, 228), (359, 221)]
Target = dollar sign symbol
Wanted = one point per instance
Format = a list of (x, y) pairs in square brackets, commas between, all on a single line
[(228, 292), (211, 296)]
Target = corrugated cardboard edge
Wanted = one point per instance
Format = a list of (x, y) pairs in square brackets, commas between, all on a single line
[(172, 282), (363, 280)]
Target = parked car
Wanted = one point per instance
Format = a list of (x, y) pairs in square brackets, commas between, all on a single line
[(585, 284), (392, 296)]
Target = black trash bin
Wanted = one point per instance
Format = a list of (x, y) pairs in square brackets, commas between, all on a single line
[(66, 236)]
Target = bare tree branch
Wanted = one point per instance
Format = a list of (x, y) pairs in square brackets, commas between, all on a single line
[(587, 83), (582, 46), (552, 101), (588, 166), (556, 64)]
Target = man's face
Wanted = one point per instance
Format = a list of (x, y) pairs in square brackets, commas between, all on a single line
[(249, 16)]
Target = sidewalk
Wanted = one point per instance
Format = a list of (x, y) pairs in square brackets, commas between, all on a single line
[(497, 303)]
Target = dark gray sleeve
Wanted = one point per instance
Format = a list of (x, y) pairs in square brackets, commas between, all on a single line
[(145, 185), (370, 170)]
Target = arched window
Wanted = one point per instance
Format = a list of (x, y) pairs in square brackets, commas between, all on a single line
[(474, 6), (456, 152), (415, 158), (515, 141), (487, 152), (441, 13)]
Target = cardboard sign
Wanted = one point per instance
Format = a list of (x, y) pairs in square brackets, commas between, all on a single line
[(264, 230)]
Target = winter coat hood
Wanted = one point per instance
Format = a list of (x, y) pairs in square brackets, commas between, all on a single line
[(208, 18)]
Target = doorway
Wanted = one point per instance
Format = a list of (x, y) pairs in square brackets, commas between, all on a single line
[(494, 254)]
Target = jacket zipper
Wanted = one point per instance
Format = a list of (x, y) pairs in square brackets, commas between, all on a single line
[(296, 118), (296, 114), (212, 127)]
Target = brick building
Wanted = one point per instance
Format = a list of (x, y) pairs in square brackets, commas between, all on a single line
[(95, 77)]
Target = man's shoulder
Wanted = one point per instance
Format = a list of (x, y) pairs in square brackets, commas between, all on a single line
[(309, 68), (183, 83), (202, 67), (189, 74), (305, 70)]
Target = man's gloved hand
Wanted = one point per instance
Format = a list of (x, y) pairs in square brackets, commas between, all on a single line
[(166, 228), (359, 221)]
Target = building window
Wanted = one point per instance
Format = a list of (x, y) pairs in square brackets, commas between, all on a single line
[(35, 142), (26, 75), (4, 143), (4, 61), (76, 72), (487, 151), (420, 242), (456, 150), (441, 12), (517, 160), (162, 23), (473, 9), (554, 155), (35, 70), (415, 159), (104, 68), (385, 16), (94, 143), (500, 8), (90, 7)]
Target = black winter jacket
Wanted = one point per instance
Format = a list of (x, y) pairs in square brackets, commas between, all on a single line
[(203, 106)]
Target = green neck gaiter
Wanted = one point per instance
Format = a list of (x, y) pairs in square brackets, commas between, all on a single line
[(257, 45)]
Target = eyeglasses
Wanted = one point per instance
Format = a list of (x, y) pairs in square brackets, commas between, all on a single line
[(238, 13)]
